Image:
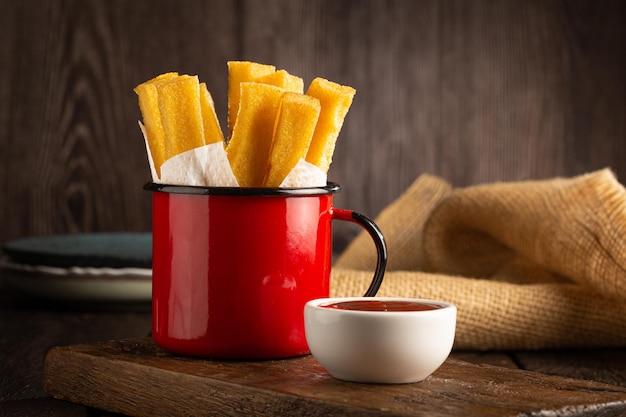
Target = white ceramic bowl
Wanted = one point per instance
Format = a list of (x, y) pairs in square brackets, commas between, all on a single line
[(390, 347)]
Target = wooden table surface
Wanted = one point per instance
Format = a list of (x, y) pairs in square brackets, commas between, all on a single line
[(30, 329)]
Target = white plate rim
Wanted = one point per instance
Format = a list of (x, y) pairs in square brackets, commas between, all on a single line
[(128, 285)]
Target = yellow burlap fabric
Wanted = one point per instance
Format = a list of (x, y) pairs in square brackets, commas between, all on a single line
[(529, 265)]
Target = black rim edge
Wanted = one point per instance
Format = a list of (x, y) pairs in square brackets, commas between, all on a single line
[(331, 187)]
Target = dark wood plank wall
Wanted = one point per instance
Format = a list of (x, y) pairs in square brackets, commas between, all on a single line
[(472, 91)]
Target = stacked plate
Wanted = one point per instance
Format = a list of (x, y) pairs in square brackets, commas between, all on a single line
[(112, 268)]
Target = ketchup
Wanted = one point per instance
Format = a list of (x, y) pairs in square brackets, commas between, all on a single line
[(377, 305)]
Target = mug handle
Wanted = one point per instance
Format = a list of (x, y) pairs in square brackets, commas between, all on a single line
[(377, 237)]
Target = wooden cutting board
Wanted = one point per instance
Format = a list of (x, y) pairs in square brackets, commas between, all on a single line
[(137, 378)]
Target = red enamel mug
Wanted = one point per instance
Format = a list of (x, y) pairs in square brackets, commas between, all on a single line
[(233, 267)]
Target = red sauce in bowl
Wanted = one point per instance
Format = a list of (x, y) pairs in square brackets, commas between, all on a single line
[(378, 305)]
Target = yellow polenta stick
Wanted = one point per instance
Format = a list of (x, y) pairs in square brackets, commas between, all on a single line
[(212, 131), (181, 115), (239, 72), (295, 124), (335, 100), (249, 146), (149, 106), (284, 80)]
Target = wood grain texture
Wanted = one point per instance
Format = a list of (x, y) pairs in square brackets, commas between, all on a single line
[(605, 365), (474, 92), (30, 327), (136, 377)]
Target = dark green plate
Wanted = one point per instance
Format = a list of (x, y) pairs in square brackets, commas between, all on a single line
[(96, 250)]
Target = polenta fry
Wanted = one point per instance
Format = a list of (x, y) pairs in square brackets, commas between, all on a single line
[(284, 80), (295, 124), (249, 146), (149, 106), (181, 115), (238, 72), (335, 100), (212, 131)]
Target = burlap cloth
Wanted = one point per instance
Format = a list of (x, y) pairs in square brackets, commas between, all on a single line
[(529, 265)]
